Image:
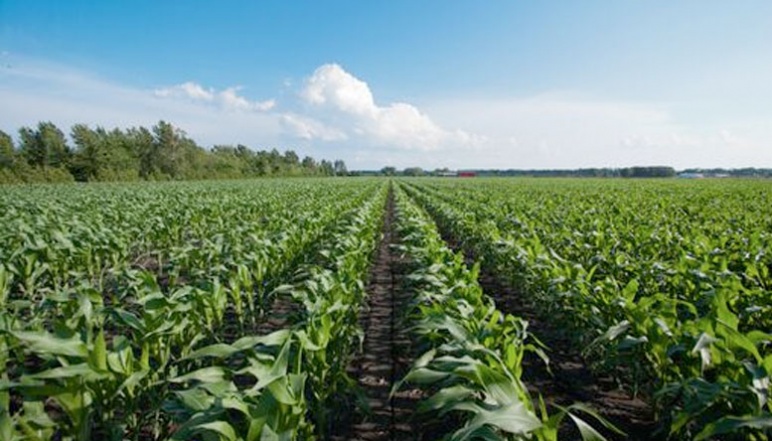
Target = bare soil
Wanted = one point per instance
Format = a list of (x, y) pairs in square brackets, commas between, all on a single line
[(386, 353), (568, 379), (280, 315), (571, 380)]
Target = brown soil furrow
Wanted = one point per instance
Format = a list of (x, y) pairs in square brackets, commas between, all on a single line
[(568, 379), (386, 355), (278, 316), (571, 380)]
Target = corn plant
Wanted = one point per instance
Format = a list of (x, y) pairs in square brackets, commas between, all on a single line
[(473, 352), (672, 275), (109, 295)]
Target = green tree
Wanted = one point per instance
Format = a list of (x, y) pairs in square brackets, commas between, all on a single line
[(309, 165), (327, 168), (227, 162), (7, 152), (275, 162), (192, 159), (291, 164), (143, 147), (44, 147), (413, 171), (31, 148), (340, 168), (167, 148), (247, 160), (141, 153), (260, 166), (59, 152), (291, 158), (87, 159), (118, 160)]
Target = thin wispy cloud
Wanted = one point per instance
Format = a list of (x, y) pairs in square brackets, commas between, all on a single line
[(228, 98), (333, 113), (516, 84), (189, 90), (567, 130), (34, 90)]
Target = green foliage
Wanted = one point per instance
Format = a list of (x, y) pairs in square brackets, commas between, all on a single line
[(666, 284), (473, 352), (142, 310), (7, 152), (45, 146), (137, 310), (160, 153)]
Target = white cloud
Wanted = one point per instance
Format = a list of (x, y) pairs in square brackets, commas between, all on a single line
[(335, 98), (310, 129), (227, 98), (332, 86), (563, 130), (33, 91), (190, 90), (231, 100), (333, 114)]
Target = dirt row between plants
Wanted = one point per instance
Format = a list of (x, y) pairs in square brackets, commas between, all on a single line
[(386, 353), (570, 380)]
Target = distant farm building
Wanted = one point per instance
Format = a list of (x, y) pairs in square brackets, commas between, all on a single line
[(466, 174), (691, 175)]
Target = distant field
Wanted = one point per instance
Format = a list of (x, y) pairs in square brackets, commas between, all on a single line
[(275, 309)]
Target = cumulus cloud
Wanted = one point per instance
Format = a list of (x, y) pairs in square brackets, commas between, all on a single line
[(310, 129), (339, 100), (332, 86), (333, 114), (228, 98)]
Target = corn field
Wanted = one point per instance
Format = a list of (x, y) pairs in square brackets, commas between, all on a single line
[(244, 310)]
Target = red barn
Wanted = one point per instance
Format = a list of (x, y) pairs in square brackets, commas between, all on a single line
[(466, 174)]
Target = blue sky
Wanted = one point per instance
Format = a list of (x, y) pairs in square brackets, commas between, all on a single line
[(509, 84)]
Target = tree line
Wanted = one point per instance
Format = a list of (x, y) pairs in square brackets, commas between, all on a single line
[(162, 152), (747, 172), (634, 172), (627, 172)]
